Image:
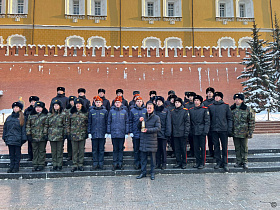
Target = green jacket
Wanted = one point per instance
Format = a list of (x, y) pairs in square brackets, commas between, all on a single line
[(35, 125), (55, 126), (77, 124), (243, 121)]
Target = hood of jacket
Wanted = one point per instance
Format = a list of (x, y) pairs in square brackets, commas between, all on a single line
[(33, 112), (242, 106)]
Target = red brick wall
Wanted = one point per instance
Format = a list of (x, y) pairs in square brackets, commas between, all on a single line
[(181, 74)]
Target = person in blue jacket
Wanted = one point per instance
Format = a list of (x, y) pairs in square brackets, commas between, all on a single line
[(14, 135), (138, 111), (97, 126), (118, 129)]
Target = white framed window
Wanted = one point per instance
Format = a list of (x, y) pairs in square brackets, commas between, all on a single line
[(151, 43), (97, 41), (226, 42), (97, 10), (16, 40), (74, 42), (74, 7), (17, 7), (244, 9), (243, 42), (222, 10), (172, 8), (2, 5), (173, 43), (151, 8)]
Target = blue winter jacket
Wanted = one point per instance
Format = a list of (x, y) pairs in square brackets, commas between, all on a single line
[(118, 122), (134, 116), (97, 122), (13, 133)]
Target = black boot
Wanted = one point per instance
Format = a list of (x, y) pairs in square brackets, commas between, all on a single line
[(141, 176)]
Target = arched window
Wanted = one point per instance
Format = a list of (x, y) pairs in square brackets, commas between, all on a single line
[(226, 42), (97, 41), (172, 42), (75, 42), (16, 40), (243, 42), (151, 42)]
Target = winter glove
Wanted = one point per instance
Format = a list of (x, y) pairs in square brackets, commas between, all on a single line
[(126, 136), (29, 138), (131, 135), (89, 136), (65, 137)]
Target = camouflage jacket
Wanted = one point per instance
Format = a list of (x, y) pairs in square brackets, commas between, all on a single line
[(243, 121), (55, 126), (35, 125), (77, 124)]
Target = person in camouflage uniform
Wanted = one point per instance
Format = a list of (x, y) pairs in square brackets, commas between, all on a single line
[(77, 124), (243, 127), (55, 129), (35, 134), (67, 112)]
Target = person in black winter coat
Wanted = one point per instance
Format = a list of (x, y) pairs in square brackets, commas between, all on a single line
[(97, 127), (106, 102), (138, 111), (152, 95), (14, 136), (119, 92), (60, 96), (190, 102), (132, 103), (82, 95), (180, 120), (27, 112), (186, 98), (118, 129), (209, 100), (200, 124), (167, 103), (148, 140), (164, 133), (221, 128)]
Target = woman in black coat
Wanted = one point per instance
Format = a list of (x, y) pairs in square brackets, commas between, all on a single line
[(14, 135)]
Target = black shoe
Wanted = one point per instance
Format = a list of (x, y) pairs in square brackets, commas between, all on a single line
[(54, 168), (153, 176), (201, 167), (59, 168), (102, 168), (172, 155), (15, 170), (114, 168), (217, 166), (93, 168), (141, 176), (35, 168), (177, 166), (163, 167), (10, 170), (74, 169), (183, 167), (196, 166), (81, 168), (121, 167), (238, 165), (40, 168), (226, 168), (29, 159), (136, 167), (69, 158), (245, 166), (158, 167)]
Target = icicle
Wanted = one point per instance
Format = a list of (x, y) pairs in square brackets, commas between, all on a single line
[(11, 69), (199, 73), (172, 71), (97, 70), (88, 69), (162, 71), (190, 69), (153, 69), (134, 69), (181, 69), (227, 75), (235, 69), (208, 74), (218, 74), (30, 70), (49, 71), (40, 67), (124, 75), (107, 72), (144, 76)]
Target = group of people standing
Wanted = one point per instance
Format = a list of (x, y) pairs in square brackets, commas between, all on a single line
[(153, 127)]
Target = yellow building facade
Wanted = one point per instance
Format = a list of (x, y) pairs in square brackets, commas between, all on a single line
[(146, 23)]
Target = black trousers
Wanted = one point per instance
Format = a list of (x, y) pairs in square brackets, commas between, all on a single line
[(181, 150), (210, 144), (118, 147), (98, 151), (15, 154), (30, 151), (199, 142), (144, 161), (69, 148), (190, 140), (223, 138), (161, 152), (171, 143), (137, 154)]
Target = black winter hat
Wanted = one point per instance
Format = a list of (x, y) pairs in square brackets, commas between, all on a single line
[(219, 94), (153, 92), (187, 93), (160, 98), (61, 88), (119, 90), (40, 104), (198, 97), (72, 98), (20, 105), (172, 96), (238, 95), (33, 98), (83, 90), (178, 99), (56, 101), (78, 101), (210, 89), (136, 92), (171, 92), (101, 90), (191, 94)]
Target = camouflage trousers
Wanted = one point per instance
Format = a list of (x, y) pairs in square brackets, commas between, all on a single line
[(39, 153), (241, 150), (57, 152), (78, 148)]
